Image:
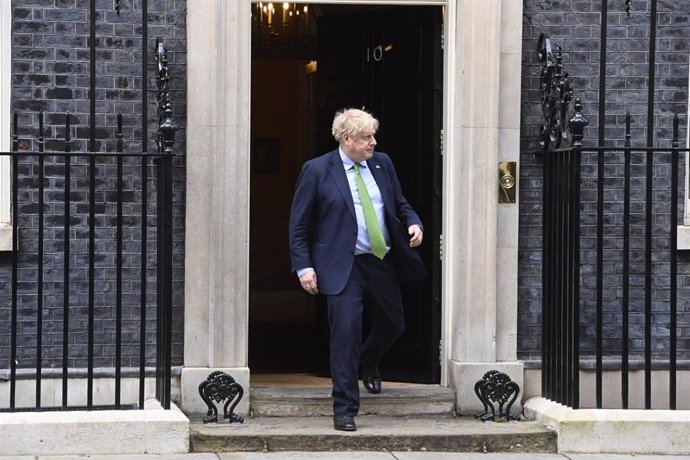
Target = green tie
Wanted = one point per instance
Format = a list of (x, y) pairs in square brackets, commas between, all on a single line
[(378, 244)]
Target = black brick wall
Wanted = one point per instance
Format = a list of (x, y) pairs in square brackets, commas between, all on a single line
[(50, 73), (574, 24)]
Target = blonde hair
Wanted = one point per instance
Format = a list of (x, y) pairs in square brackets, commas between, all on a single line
[(352, 122)]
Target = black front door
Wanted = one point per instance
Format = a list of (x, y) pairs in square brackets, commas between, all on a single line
[(389, 61)]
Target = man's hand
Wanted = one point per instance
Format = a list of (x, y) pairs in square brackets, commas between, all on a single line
[(416, 235), (309, 284)]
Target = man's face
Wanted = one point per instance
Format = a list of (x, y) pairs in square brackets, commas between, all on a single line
[(359, 147)]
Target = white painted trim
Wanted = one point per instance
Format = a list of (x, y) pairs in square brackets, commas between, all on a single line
[(683, 238), (683, 234), (447, 266), (5, 77)]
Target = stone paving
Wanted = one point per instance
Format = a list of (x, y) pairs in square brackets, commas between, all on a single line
[(375, 434)]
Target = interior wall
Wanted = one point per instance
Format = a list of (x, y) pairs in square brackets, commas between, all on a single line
[(278, 151), (279, 311)]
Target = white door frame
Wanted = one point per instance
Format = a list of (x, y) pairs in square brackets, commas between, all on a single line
[(480, 118)]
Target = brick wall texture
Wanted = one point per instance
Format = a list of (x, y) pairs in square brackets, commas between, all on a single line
[(51, 74), (575, 26), (50, 67)]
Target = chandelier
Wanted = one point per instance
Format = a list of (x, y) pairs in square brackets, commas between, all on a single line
[(276, 19), (283, 30)]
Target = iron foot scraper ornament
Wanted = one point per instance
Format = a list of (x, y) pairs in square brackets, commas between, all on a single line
[(220, 387), (496, 387)]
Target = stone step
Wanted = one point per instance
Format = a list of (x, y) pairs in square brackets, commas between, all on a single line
[(442, 433), (395, 399)]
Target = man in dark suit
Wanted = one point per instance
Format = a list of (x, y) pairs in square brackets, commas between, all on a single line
[(352, 235)]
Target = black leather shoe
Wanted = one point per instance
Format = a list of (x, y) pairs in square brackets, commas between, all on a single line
[(372, 380), (344, 423)]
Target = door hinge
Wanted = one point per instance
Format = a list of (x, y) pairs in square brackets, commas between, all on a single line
[(440, 351), (443, 36), (442, 142), (440, 247)]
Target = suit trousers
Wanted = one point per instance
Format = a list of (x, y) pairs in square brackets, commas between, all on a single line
[(373, 287)]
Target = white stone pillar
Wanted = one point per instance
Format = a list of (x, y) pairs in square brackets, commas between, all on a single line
[(217, 203), (479, 271), (508, 150)]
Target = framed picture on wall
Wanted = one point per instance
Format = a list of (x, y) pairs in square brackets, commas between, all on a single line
[(266, 156)]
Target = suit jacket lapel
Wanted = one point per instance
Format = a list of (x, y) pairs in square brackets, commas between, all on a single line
[(382, 181), (340, 180)]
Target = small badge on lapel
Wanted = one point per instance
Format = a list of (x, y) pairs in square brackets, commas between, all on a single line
[(378, 167)]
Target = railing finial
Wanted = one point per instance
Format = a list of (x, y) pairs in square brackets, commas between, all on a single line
[(577, 124), (556, 94), (166, 124)]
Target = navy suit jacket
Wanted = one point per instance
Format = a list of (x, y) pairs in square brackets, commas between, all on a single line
[(323, 226)]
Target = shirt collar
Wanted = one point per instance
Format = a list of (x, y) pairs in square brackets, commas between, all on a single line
[(347, 162)]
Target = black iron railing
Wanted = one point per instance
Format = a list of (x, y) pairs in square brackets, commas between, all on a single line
[(561, 268), (654, 245), (610, 219), (86, 201), (165, 138), (92, 251)]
